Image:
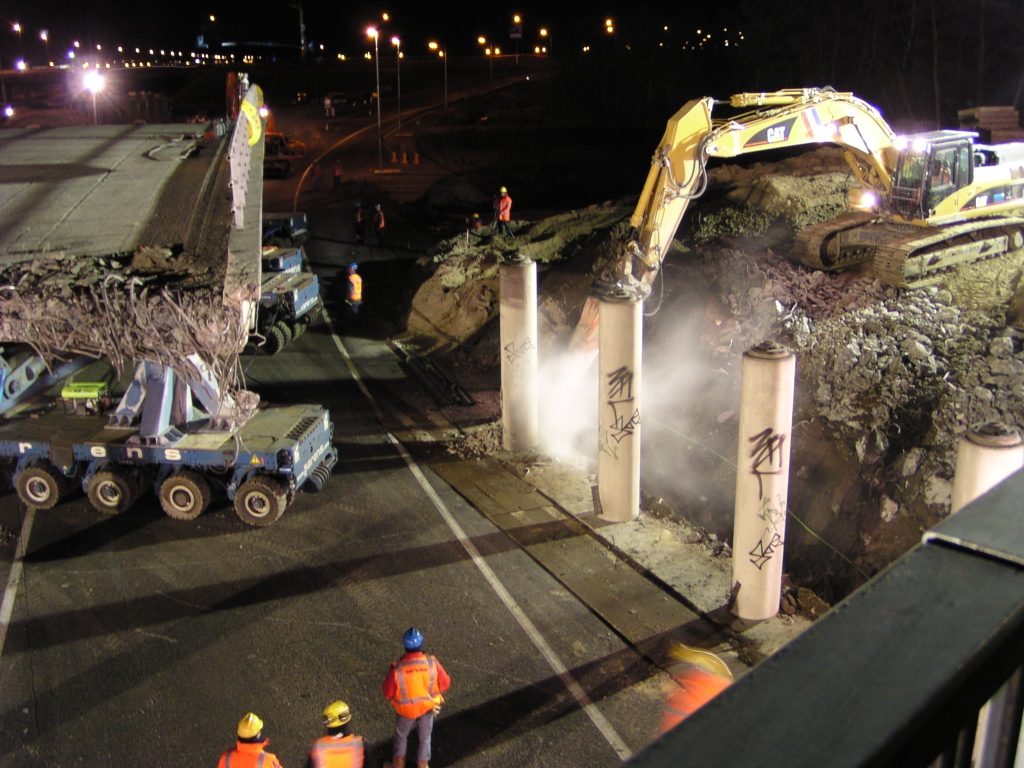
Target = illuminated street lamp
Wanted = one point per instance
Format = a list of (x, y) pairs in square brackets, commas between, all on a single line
[(17, 28), (443, 53), (44, 35), (395, 41), (544, 33), (93, 82), (517, 32), (372, 32), (487, 51)]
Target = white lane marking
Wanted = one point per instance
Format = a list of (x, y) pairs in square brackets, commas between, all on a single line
[(14, 578), (606, 729)]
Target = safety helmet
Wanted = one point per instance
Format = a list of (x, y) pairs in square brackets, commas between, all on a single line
[(337, 714), (249, 726), (353, 267), (476, 215), (412, 640), (359, 205), (377, 206), (698, 657), (503, 190)]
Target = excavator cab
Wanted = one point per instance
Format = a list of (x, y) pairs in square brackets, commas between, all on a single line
[(931, 167)]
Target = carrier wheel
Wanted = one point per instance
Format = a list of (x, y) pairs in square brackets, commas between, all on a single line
[(42, 485), (286, 331), (111, 491), (298, 328), (185, 495), (260, 501), (275, 340)]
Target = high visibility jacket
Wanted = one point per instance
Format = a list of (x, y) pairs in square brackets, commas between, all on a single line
[(246, 755), (696, 688), (505, 208), (414, 684), (337, 752), (355, 287), (378, 219)]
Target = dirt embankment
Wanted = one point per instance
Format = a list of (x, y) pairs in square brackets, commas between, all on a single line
[(888, 379)]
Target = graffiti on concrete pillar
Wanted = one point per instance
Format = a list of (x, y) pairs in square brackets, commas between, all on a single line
[(513, 353), (625, 416), (771, 541), (766, 456)]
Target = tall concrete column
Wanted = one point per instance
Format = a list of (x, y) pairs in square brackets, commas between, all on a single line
[(985, 457), (762, 479), (517, 278), (620, 354)]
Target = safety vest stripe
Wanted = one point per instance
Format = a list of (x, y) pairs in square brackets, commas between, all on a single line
[(403, 694), (227, 758), (262, 757)]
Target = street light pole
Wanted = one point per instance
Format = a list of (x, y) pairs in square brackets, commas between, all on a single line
[(372, 32), (93, 83), (45, 37), (398, 44), (443, 53)]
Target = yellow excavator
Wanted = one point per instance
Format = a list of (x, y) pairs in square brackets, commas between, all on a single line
[(924, 204)]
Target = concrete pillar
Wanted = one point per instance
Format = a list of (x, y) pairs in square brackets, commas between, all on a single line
[(985, 457), (762, 480), (620, 354), (517, 279)]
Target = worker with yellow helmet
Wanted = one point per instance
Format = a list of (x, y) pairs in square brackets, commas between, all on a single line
[(697, 677), (339, 748), (503, 211), (250, 751)]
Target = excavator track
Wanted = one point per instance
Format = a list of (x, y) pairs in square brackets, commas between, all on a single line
[(812, 243), (922, 258)]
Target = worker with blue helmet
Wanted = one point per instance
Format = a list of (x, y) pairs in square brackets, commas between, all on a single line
[(413, 687)]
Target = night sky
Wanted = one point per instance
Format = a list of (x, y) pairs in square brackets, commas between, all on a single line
[(337, 25)]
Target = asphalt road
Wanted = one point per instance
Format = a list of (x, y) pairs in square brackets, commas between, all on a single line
[(139, 639)]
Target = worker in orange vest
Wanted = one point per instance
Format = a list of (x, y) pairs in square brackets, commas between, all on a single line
[(250, 751), (696, 679), (339, 748), (504, 209), (413, 687), (378, 224), (354, 298)]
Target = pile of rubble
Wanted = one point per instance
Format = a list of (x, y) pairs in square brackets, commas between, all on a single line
[(888, 379), (146, 305)]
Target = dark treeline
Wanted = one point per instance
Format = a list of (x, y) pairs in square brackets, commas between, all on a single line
[(918, 60)]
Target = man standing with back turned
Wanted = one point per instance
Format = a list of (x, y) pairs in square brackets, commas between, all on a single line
[(413, 686)]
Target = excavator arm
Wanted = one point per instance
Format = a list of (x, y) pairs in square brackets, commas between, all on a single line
[(786, 118)]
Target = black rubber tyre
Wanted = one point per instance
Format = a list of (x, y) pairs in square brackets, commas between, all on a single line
[(286, 331), (112, 491), (185, 495), (261, 501), (42, 486), (275, 341), (298, 328)]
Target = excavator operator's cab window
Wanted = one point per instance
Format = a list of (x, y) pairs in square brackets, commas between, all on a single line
[(949, 170)]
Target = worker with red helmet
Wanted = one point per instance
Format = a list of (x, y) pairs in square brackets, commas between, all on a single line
[(250, 750), (698, 677), (413, 687)]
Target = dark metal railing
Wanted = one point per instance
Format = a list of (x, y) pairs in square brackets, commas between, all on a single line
[(893, 676)]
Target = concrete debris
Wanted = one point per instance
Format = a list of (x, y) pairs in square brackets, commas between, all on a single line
[(484, 440), (129, 307)]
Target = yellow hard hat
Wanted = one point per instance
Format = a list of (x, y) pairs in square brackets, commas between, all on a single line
[(249, 726), (503, 190), (336, 714), (706, 660)]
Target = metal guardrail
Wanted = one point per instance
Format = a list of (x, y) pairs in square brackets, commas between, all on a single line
[(895, 674)]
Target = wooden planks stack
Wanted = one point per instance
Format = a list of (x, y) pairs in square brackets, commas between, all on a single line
[(995, 124)]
